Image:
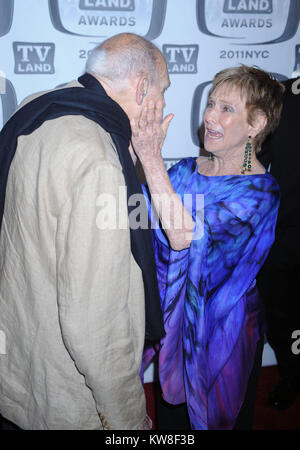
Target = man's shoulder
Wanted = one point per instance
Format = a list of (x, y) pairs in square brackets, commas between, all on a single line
[(34, 95), (69, 126), (71, 135), (76, 135)]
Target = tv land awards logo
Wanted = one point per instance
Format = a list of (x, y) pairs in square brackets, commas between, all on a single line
[(34, 57), (8, 99), (248, 6), (105, 18), (199, 104), (107, 5), (6, 15), (181, 58), (249, 22)]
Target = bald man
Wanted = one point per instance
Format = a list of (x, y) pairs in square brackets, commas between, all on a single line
[(78, 289)]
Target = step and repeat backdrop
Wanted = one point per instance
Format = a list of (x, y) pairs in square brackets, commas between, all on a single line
[(45, 43)]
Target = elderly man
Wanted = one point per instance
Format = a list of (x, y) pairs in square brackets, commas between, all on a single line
[(74, 292)]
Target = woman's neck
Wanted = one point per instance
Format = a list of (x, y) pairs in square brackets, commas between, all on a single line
[(227, 166)]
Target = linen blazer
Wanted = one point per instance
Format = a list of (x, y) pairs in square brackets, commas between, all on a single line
[(71, 293)]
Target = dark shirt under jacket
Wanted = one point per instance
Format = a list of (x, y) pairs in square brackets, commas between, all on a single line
[(282, 150), (278, 280)]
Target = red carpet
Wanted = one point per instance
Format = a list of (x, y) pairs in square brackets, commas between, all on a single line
[(265, 418)]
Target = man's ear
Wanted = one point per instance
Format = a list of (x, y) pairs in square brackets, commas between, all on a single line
[(259, 124), (141, 89)]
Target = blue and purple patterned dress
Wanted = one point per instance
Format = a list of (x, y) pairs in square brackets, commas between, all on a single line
[(212, 313)]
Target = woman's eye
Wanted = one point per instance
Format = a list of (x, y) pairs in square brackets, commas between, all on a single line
[(228, 109)]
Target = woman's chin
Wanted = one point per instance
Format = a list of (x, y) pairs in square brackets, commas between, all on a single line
[(211, 147)]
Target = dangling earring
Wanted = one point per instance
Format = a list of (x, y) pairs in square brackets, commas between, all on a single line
[(248, 155), (211, 157)]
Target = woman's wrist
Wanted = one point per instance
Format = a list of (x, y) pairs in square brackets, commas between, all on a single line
[(152, 163)]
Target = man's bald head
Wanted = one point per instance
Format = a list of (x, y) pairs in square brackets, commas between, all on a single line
[(132, 71), (124, 56)]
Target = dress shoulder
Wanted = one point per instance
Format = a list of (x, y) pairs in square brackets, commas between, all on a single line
[(184, 164), (181, 172)]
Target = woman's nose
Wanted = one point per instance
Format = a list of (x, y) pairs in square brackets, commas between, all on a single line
[(210, 115)]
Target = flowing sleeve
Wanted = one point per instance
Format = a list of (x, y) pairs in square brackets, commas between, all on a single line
[(164, 255), (160, 244), (239, 231), (223, 314), (172, 270), (161, 252)]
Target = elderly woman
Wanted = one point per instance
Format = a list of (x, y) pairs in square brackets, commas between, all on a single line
[(211, 354)]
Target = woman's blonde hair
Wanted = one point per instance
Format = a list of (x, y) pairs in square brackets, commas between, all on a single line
[(262, 93)]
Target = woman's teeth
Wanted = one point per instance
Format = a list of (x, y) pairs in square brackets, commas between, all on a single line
[(213, 134)]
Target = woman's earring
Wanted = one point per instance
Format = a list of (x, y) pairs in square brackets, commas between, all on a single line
[(211, 157), (248, 155)]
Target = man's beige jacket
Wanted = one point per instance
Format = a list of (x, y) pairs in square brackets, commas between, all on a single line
[(71, 294)]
